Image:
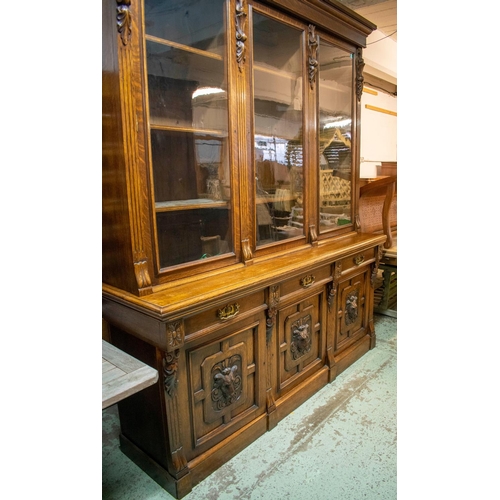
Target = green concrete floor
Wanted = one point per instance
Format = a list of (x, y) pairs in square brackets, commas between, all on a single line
[(340, 444)]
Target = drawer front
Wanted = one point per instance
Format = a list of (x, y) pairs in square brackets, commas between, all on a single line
[(355, 261), (224, 312), (306, 280)]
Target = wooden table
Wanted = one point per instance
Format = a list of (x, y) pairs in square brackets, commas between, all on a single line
[(123, 375)]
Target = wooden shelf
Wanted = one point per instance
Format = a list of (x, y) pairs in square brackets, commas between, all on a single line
[(186, 48), (159, 124), (173, 206)]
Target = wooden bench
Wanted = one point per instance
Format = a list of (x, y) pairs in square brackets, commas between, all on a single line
[(123, 375)]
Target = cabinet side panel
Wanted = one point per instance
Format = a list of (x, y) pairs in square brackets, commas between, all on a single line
[(141, 414), (116, 244)]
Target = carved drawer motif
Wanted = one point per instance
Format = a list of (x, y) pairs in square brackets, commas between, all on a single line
[(224, 379), (299, 332)]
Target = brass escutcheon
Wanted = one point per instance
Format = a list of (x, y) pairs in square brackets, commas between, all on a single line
[(307, 281), (228, 312), (359, 259)]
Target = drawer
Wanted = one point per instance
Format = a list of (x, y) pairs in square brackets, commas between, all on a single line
[(306, 280), (356, 260), (225, 312)]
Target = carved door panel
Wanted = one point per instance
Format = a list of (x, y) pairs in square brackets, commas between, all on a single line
[(226, 386), (352, 300), (300, 342)]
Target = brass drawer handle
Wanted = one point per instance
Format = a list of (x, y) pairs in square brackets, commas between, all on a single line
[(228, 312), (307, 281), (359, 259)]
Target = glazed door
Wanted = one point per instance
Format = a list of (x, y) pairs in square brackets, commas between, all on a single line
[(187, 104)]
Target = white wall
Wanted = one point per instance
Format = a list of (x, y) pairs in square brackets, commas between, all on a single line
[(380, 56), (379, 130)]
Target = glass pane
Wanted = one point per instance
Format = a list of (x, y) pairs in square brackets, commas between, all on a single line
[(335, 132), (278, 71), (188, 117), (194, 23), (186, 89)]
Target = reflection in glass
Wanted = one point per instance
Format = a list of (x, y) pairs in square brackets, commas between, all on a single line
[(335, 132), (188, 119), (278, 69)]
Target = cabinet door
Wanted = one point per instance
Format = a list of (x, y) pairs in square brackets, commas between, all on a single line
[(187, 107), (352, 308), (225, 377), (300, 341)]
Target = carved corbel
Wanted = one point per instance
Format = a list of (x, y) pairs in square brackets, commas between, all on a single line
[(313, 235), (141, 270), (357, 222), (247, 251), (124, 20)]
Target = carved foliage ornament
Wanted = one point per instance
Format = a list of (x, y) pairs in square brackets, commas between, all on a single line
[(124, 20), (170, 366), (331, 295), (360, 64), (240, 34), (272, 310), (227, 382), (313, 48), (301, 337)]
